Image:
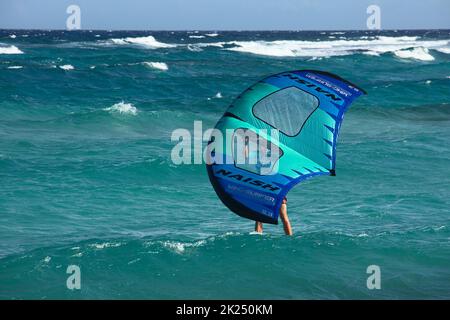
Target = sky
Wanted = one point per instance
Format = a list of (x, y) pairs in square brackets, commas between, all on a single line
[(225, 14)]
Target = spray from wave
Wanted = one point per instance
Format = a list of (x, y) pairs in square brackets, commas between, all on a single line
[(122, 108)]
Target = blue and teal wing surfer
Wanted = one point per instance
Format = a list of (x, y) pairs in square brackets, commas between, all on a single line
[(306, 108)]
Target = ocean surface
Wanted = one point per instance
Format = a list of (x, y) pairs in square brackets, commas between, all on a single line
[(86, 177)]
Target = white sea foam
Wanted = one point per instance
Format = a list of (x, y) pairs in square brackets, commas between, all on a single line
[(67, 67), (15, 67), (444, 50), (9, 50), (105, 245), (419, 53), (369, 45), (299, 48), (180, 247), (77, 255), (316, 58), (157, 65), (123, 108), (148, 42), (371, 53), (12, 36), (194, 48), (218, 95)]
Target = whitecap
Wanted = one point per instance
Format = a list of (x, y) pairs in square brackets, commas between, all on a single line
[(194, 48), (180, 247), (77, 255), (299, 48), (10, 50), (316, 58), (157, 65), (67, 67), (371, 53), (218, 95), (123, 108), (419, 53), (15, 67), (211, 34), (148, 42), (196, 37), (362, 235), (444, 50), (105, 245)]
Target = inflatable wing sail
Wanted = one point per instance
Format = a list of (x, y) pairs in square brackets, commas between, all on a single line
[(279, 132)]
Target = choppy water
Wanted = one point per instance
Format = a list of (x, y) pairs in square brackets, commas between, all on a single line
[(86, 176)]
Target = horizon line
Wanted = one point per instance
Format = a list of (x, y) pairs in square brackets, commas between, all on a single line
[(224, 30)]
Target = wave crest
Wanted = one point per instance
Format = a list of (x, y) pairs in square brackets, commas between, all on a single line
[(148, 42), (301, 48), (419, 53), (157, 65), (10, 50), (123, 108)]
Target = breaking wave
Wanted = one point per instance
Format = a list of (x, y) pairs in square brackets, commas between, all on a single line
[(148, 42), (123, 108), (419, 53), (157, 65), (299, 48), (10, 50)]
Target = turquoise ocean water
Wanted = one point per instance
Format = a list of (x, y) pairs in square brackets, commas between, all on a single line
[(86, 177)]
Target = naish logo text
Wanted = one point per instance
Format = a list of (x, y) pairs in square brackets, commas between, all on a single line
[(308, 84), (251, 181)]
